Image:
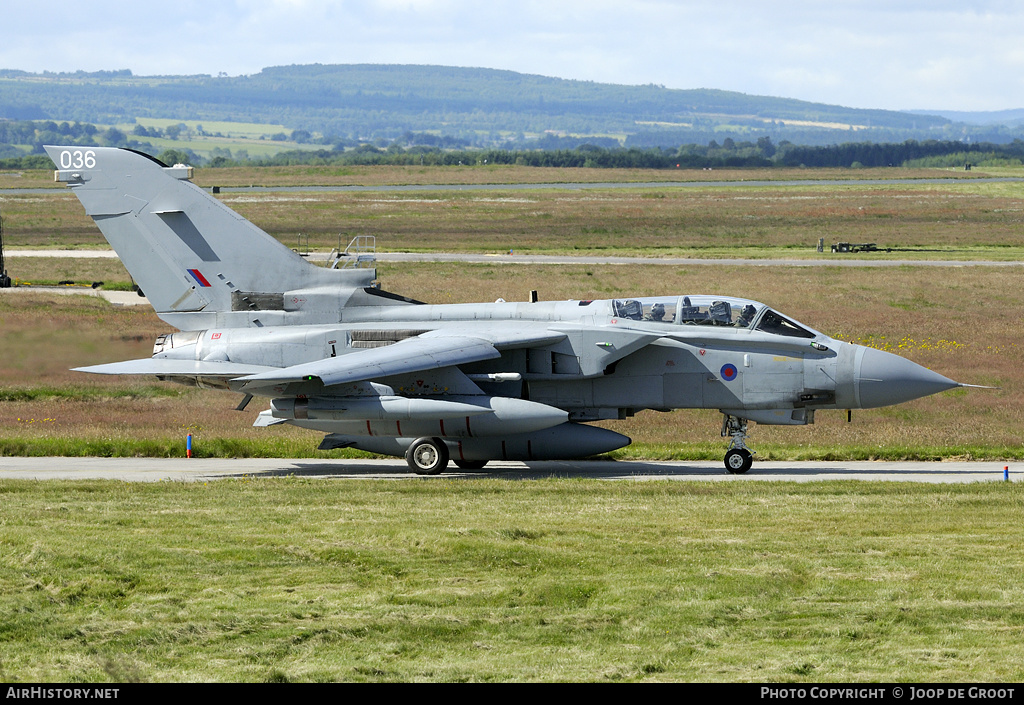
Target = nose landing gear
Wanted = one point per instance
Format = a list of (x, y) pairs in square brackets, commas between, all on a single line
[(738, 458)]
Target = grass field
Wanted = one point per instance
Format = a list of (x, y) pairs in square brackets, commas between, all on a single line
[(964, 220), (491, 580), (486, 579), (507, 174), (247, 130)]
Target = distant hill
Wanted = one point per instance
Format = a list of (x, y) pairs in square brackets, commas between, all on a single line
[(992, 117), (483, 107)]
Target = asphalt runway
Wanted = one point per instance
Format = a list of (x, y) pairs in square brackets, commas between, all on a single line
[(205, 470)]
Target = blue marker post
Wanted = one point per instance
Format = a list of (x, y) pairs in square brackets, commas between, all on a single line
[(188, 446), (1006, 473)]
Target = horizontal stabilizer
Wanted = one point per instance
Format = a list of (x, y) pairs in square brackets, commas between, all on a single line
[(404, 357), (163, 367)]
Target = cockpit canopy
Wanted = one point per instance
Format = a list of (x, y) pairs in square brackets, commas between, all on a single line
[(709, 311)]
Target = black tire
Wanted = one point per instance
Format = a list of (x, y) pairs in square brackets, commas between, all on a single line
[(470, 464), (738, 460), (427, 456)]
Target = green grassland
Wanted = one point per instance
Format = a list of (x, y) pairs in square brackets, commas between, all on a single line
[(492, 580), (254, 139), (247, 130)]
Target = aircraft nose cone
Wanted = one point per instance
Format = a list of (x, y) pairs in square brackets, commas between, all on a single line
[(884, 379)]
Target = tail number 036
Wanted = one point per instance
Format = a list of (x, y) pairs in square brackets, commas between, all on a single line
[(77, 159)]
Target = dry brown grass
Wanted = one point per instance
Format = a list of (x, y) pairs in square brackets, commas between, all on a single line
[(655, 222), (662, 223), (28, 178), (45, 336), (48, 219), (493, 174), (961, 322), (507, 174), (36, 270)]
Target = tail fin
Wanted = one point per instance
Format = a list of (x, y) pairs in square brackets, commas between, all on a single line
[(199, 263)]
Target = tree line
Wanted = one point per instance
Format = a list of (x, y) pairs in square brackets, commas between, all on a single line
[(428, 149), (728, 154)]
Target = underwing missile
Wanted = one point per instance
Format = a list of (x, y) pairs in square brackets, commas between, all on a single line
[(453, 416)]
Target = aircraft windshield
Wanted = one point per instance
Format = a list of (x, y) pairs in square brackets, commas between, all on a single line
[(709, 311), (690, 310), (772, 322)]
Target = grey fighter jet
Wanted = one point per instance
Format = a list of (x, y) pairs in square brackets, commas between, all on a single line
[(333, 352)]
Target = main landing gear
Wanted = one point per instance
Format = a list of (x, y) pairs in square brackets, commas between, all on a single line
[(738, 458), (429, 456)]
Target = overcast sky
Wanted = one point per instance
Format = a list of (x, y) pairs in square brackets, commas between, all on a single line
[(896, 54)]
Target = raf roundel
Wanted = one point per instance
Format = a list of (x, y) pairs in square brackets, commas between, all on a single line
[(729, 372)]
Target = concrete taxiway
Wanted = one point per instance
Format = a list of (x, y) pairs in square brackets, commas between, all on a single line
[(824, 260), (205, 470)]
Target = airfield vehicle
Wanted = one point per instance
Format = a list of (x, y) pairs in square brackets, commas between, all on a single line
[(331, 351), (857, 247)]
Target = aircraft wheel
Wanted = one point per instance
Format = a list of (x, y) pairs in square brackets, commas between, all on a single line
[(427, 456), (738, 460), (470, 464)]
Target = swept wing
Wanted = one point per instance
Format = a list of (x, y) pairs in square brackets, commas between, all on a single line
[(431, 351), (407, 356)]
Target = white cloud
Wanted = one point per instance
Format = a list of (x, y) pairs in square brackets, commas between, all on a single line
[(868, 53)]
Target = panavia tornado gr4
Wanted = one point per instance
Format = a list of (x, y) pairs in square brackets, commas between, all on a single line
[(333, 352)]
